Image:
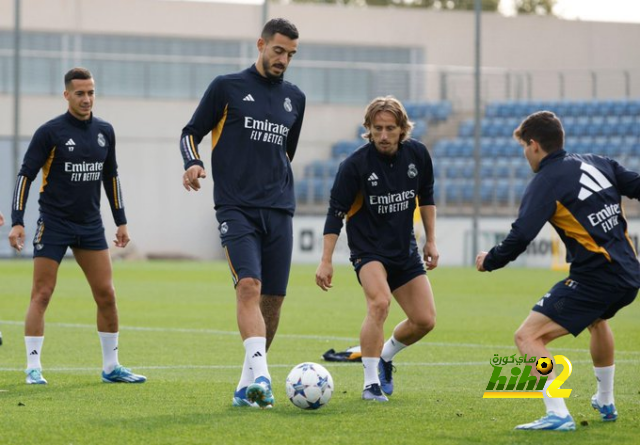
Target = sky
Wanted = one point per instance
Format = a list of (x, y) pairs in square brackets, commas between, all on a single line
[(588, 10)]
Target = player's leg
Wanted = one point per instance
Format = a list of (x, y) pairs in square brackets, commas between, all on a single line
[(45, 273), (277, 250), (373, 277), (531, 338), (49, 247), (602, 354), (602, 349), (96, 265), (415, 297), (242, 246)]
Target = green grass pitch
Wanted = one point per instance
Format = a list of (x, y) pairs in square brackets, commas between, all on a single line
[(178, 328)]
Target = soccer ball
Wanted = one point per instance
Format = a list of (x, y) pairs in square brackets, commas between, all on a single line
[(544, 365), (309, 386)]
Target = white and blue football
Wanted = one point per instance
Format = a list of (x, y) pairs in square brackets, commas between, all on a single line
[(309, 386)]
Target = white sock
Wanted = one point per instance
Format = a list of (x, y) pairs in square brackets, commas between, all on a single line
[(370, 365), (246, 378), (34, 350), (391, 348), (604, 376), (256, 351), (109, 342), (555, 404)]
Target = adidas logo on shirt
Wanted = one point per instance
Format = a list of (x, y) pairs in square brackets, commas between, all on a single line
[(248, 98), (593, 181), (70, 144), (373, 179)]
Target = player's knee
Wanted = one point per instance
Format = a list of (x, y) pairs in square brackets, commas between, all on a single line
[(523, 338), (379, 308), (105, 296), (42, 294), (248, 288), (426, 324)]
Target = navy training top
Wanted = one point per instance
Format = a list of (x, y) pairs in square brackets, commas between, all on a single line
[(378, 194), (75, 156), (580, 195), (255, 125)]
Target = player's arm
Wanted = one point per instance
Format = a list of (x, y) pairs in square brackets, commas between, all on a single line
[(343, 192), (427, 205), (210, 110), (40, 150), (294, 132), (538, 206), (111, 182), (431, 255), (628, 181)]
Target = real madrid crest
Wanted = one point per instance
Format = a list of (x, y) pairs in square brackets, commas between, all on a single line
[(224, 228), (412, 172), (287, 105), (101, 140)]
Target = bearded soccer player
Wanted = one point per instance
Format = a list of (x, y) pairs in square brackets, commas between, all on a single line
[(254, 118)]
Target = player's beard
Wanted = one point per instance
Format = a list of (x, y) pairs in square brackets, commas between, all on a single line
[(266, 68)]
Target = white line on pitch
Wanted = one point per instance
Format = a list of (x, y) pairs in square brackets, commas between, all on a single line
[(351, 340)]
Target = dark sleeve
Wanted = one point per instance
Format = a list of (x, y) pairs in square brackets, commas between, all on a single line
[(538, 206), (425, 194), (294, 133), (343, 194), (111, 182), (209, 112), (628, 181), (40, 150)]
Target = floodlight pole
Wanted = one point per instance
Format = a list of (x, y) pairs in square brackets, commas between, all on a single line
[(476, 138), (16, 89)]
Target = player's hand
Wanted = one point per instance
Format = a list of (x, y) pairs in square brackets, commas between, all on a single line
[(431, 255), (324, 275), (480, 261), (1, 220), (192, 176), (16, 237), (122, 236)]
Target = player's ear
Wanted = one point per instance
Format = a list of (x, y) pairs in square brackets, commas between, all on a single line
[(261, 44)]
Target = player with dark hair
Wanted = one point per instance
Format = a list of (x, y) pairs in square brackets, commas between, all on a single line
[(377, 189), (76, 153), (580, 196), (255, 118)]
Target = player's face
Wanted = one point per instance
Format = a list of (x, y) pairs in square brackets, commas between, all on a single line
[(80, 95), (275, 55), (531, 152), (385, 133)]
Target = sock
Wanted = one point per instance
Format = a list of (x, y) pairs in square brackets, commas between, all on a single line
[(256, 352), (370, 365), (604, 376), (391, 348), (109, 342), (555, 404), (34, 350), (246, 378)]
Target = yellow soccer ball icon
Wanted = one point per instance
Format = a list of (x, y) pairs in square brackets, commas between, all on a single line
[(544, 365)]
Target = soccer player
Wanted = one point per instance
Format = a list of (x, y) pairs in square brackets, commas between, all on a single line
[(254, 117), (377, 188), (76, 152), (580, 195)]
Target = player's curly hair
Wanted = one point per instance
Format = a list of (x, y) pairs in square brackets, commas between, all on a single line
[(545, 128), (393, 106)]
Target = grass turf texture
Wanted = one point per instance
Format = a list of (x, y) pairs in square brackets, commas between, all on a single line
[(178, 328)]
